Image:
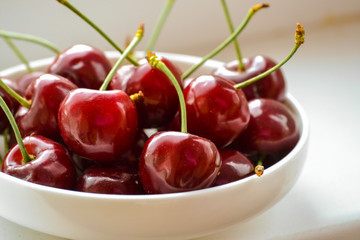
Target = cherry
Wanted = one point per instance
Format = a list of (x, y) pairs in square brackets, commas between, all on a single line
[(272, 129), (97, 124), (272, 86), (160, 99), (44, 95), (132, 155), (51, 166), (177, 161), (215, 109), (84, 65), (110, 180), (38, 159), (10, 102), (235, 166), (24, 81)]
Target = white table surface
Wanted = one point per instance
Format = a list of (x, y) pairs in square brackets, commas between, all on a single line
[(325, 202)]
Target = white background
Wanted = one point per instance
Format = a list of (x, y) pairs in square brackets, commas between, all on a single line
[(323, 76)]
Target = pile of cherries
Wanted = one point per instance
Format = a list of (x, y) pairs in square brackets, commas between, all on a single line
[(150, 130)]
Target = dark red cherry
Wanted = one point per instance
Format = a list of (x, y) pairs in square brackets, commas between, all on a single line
[(272, 129), (51, 166), (132, 155), (178, 162), (110, 180), (10, 102), (84, 65), (272, 86), (215, 109), (45, 93), (98, 125), (235, 166), (160, 98), (24, 81)]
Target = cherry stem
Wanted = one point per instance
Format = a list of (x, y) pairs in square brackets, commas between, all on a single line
[(26, 156), (15, 95), (103, 34), (259, 168), (155, 62), (30, 38), (299, 40), (241, 27), (241, 66), (19, 54), (137, 37), (6, 140), (159, 25)]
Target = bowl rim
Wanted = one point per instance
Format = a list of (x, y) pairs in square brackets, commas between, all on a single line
[(295, 105)]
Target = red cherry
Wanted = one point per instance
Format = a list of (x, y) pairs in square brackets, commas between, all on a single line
[(273, 86), (10, 102), (160, 98), (51, 166), (84, 65), (110, 180), (98, 125), (235, 166), (45, 93), (215, 109), (178, 162), (24, 81), (272, 129)]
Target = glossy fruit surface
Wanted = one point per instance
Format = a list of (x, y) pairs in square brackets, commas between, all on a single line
[(10, 102), (272, 86), (178, 162), (52, 165), (215, 109), (160, 98), (110, 180), (45, 93), (98, 125), (235, 166), (272, 129), (84, 65), (24, 81)]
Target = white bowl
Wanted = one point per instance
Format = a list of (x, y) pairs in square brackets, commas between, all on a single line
[(78, 215)]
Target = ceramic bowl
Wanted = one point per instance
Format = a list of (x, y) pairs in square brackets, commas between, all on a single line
[(78, 215)]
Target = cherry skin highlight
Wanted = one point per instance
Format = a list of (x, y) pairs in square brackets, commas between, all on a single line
[(160, 98), (51, 166), (215, 109), (110, 180), (272, 129), (46, 93), (235, 166), (178, 162), (84, 65), (98, 125), (272, 86)]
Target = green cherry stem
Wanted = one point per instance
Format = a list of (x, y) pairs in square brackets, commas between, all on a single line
[(26, 156), (137, 38), (241, 27), (30, 38), (299, 40), (19, 54), (155, 62), (15, 95), (92, 24), (159, 25), (241, 66), (259, 168)]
